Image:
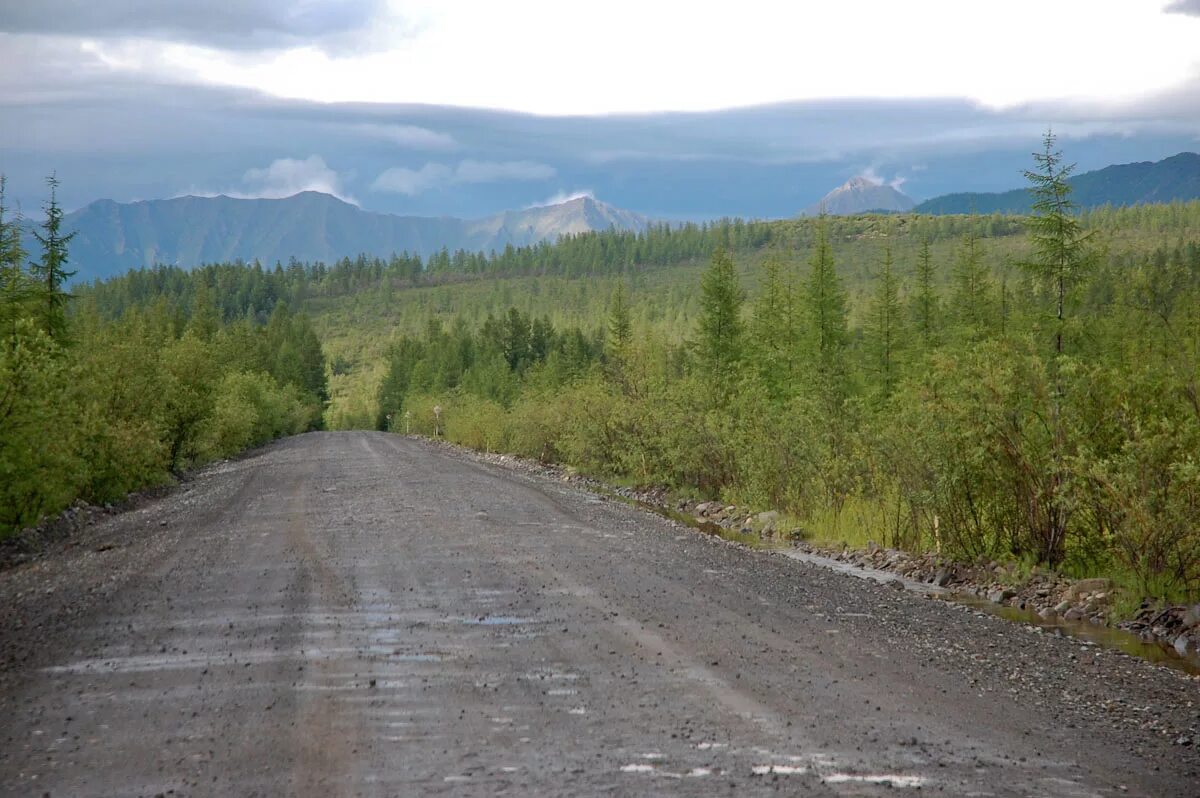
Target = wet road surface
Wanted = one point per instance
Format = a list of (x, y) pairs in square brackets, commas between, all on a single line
[(363, 614)]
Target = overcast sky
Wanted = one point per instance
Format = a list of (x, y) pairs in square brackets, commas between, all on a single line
[(674, 108)]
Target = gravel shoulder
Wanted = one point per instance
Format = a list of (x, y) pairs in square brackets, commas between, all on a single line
[(364, 614)]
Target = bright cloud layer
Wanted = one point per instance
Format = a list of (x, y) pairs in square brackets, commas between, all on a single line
[(552, 58)]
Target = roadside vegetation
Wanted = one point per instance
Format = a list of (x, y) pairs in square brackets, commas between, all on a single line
[(992, 387), (93, 408)]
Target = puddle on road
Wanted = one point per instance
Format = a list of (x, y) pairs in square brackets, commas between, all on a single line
[(1105, 637), (1100, 636)]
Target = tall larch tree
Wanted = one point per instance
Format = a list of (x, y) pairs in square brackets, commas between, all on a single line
[(826, 306), (1062, 254), (773, 328), (50, 273), (885, 324), (721, 298), (972, 298), (925, 298)]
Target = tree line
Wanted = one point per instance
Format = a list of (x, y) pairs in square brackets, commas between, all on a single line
[(94, 406)]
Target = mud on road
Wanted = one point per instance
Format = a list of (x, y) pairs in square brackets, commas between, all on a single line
[(363, 614)]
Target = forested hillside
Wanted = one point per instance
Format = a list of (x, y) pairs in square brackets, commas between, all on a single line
[(1018, 388), (94, 406), (1172, 179)]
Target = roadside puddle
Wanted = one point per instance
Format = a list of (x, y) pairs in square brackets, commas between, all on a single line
[(1093, 634)]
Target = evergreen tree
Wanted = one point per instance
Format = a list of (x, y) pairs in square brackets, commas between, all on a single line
[(826, 300), (925, 301), (773, 329), (1061, 256), (721, 298), (206, 318), (885, 324), (620, 324), (972, 288), (50, 272), (14, 283)]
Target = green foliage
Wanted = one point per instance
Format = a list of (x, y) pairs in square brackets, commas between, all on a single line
[(250, 408), (39, 469), (972, 301), (16, 288), (826, 305), (50, 272), (885, 327), (93, 408), (1060, 257), (926, 307), (719, 342)]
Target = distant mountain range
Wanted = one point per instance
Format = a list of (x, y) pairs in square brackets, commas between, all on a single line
[(860, 195), (112, 237), (1168, 180)]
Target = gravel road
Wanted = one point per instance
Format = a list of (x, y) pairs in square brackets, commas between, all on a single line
[(364, 614)]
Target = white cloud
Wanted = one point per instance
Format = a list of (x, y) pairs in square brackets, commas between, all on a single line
[(902, 53), (408, 136), (402, 180), (564, 196), (288, 176), (869, 174)]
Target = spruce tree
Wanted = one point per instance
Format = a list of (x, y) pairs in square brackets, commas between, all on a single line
[(50, 273)]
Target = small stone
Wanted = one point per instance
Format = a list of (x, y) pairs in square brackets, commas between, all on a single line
[(1191, 618), (766, 522), (1062, 607), (1085, 586), (1002, 595)]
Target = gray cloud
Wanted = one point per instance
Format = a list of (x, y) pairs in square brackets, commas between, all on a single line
[(403, 180), (237, 25), (113, 134), (1191, 7)]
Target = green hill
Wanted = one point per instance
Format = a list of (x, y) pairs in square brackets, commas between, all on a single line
[(1172, 179)]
